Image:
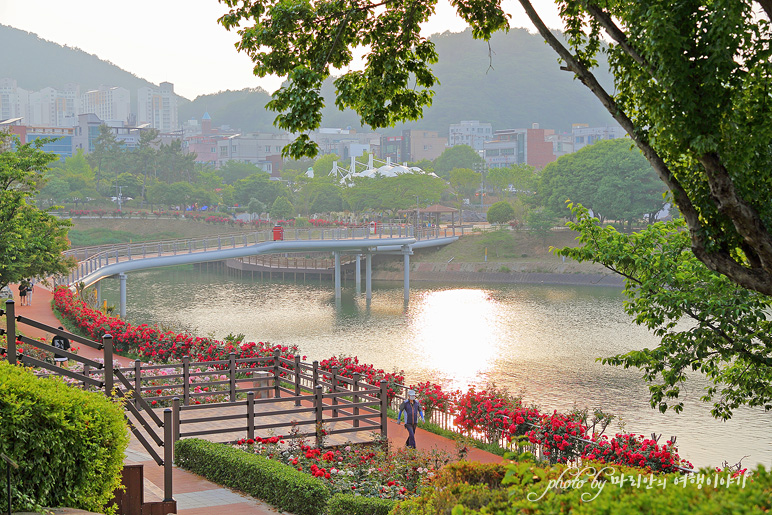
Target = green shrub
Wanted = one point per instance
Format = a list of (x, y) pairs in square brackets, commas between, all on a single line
[(348, 504), (69, 443), (472, 472), (275, 483), (441, 501), (541, 490)]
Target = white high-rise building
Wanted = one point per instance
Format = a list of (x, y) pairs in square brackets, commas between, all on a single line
[(108, 103), (472, 133), (158, 107), (51, 107), (13, 100)]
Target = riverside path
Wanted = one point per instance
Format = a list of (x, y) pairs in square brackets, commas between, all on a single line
[(195, 495)]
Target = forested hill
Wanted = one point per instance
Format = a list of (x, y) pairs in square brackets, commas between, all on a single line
[(36, 63), (513, 84), (517, 83)]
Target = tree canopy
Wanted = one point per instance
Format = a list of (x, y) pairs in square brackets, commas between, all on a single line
[(610, 178), (726, 337), (690, 87), (31, 241)]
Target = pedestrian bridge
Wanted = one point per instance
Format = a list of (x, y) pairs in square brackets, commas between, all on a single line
[(97, 263)]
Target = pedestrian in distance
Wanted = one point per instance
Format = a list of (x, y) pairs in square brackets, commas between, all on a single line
[(412, 409), (30, 287), (62, 343), (23, 289)]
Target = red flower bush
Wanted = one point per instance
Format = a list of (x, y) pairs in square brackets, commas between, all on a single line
[(348, 366), (637, 451), (432, 397)]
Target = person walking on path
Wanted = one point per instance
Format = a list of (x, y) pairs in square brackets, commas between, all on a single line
[(23, 289), (412, 409), (60, 342), (30, 287)]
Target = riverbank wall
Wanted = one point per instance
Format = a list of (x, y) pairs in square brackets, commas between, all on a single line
[(473, 273)]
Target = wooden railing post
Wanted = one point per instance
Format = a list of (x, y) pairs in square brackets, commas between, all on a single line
[(318, 407), (355, 389), (176, 417), (276, 392), (168, 455), (334, 388), (384, 409), (186, 380), (316, 374), (107, 343), (232, 374), (137, 380), (10, 318), (86, 374), (297, 380), (250, 415)]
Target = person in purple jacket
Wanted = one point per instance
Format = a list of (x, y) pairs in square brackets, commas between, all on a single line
[(412, 409)]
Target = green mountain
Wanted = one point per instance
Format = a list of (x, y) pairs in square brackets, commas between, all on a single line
[(36, 63), (513, 84)]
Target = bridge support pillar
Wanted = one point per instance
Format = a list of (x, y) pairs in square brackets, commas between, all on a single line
[(406, 253), (122, 278), (99, 294), (369, 276), (358, 273), (337, 274)]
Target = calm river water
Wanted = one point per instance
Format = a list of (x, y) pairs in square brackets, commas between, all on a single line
[(538, 341)]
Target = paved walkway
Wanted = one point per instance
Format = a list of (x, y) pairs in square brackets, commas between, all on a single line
[(195, 495)]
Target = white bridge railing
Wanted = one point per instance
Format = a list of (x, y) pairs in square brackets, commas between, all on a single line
[(91, 259)]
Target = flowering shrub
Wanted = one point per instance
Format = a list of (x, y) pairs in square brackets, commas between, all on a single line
[(348, 366), (151, 343), (431, 397), (558, 434), (637, 451), (487, 412), (362, 470)]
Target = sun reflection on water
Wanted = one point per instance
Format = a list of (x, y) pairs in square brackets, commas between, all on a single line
[(458, 332)]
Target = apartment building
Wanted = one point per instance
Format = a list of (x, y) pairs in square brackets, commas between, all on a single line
[(158, 107), (470, 132), (107, 103)]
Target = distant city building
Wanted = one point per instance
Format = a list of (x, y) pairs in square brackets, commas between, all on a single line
[(418, 145), (87, 132), (62, 146), (391, 148), (53, 107), (584, 135), (107, 103), (158, 107), (517, 146), (261, 149), (345, 142), (13, 100), (472, 133), (201, 139)]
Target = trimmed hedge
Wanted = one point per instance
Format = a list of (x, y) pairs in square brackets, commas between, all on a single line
[(69, 443), (348, 504), (275, 483)]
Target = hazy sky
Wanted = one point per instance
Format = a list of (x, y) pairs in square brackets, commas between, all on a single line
[(178, 41)]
